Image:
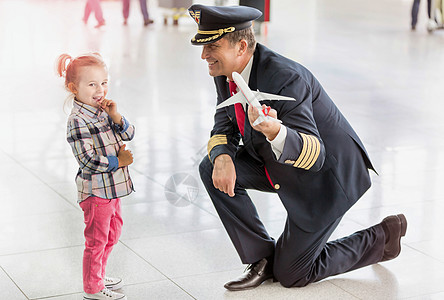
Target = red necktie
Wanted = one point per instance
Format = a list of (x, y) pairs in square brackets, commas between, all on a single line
[(240, 113), (240, 117)]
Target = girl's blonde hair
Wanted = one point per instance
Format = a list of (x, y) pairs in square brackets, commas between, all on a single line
[(68, 67)]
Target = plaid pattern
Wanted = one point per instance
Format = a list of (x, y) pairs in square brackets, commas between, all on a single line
[(95, 141)]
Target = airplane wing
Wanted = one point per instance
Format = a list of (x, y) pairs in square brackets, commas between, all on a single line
[(265, 96), (240, 98), (237, 98)]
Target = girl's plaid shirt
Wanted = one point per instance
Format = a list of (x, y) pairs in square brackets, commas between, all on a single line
[(95, 141)]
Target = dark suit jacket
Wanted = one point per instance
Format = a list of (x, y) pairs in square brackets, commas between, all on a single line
[(323, 169)]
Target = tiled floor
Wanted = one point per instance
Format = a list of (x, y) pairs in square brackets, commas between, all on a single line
[(387, 80)]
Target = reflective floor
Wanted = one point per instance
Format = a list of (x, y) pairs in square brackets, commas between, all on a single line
[(386, 79)]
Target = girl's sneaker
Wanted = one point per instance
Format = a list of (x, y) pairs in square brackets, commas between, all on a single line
[(113, 283), (104, 294)]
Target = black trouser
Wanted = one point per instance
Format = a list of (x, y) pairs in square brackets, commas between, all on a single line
[(415, 9), (300, 257)]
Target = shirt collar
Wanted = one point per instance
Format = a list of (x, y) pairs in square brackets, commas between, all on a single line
[(247, 70), (88, 110)]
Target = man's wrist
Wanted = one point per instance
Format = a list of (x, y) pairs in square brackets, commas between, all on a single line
[(273, 132), (222, 157)]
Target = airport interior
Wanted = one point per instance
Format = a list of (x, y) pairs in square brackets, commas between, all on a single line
[(384, 76)]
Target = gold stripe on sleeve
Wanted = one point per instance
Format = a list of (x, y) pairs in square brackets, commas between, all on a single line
[(316, 153), (308, 152), (309, 157), (303, 152), (217, 139), (311, 148), (312, 152)]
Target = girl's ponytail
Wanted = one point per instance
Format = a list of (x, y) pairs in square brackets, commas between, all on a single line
[(62, 64)]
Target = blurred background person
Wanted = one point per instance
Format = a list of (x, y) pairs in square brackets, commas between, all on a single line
[(143, 9), (415, 9), (95, 6)]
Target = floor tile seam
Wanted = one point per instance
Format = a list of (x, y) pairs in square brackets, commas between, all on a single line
[(205, 210), (435, 201), (134, 202), (164, 200), (40, 184), (344, 290), (147, 282), (80, 293), (422, 295), (126, 285), (162, 185), (10, 278), (54, 296), (149, 177), (423, 253), (173, 233), (38, 215), (159, 281), (241, 269), (431, 239), (389, 182), (40, 250), (395, 205), (50, 158), (162, 273), (40, 179), (154, 180), (391, 173), (401, 173)]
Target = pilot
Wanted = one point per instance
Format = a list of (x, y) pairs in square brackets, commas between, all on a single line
[(314, 161)]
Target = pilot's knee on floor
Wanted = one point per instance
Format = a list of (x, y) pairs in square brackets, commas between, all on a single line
[(288, 278), (289, 282)]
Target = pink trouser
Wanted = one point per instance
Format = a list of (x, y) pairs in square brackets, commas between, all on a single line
[(93, 5), (103, 222)]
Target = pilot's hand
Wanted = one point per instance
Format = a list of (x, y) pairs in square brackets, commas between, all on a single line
[(269, 128), (224, 174)]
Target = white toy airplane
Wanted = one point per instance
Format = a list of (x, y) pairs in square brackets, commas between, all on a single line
[(245, 95)]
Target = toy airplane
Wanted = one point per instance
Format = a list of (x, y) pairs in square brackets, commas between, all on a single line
[(245, 95)]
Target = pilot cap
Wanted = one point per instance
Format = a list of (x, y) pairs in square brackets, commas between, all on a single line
[(215, 21)]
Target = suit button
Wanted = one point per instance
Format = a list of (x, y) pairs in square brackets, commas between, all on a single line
[(277, 186)]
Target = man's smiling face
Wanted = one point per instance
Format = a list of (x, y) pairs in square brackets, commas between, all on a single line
[(222, 57)]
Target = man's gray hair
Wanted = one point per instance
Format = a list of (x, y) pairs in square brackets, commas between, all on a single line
[(244, 34)]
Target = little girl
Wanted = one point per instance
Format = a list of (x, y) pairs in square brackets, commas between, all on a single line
[(95, 132)]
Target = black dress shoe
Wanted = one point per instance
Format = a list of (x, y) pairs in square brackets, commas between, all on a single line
[(253, 276), (394, 227)]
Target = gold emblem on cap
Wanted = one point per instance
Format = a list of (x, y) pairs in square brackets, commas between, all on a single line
[(195, 15)]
